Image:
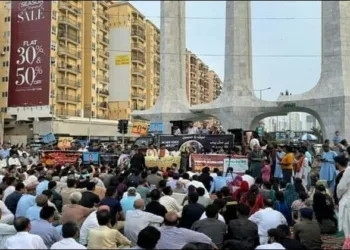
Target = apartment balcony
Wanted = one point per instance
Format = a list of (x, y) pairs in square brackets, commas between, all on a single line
[(156, 38), (64, 82), (138, 84), (74, 69), (102, 105), (67, 98), (156, 58), (138, 22), (102, 116), (138, 34), (103, 40), (137, 71), (103, 92), (156, 69), (102, 66), (67, 112), (103, 14), (65, 36), (193, 68), (193, 87), (156, 48), (138, 96), (103, 53), (138, 46), (103, 79), (103, 26), (138, 58), (63, 51), (63, 6), (156, 80), (69, 22)]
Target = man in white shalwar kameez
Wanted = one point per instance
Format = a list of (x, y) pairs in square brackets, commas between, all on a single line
[(343, 194)]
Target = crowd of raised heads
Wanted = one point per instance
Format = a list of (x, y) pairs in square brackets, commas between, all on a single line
[(289, 198)]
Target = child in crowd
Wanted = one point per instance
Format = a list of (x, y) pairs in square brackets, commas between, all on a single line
[(266, 170)]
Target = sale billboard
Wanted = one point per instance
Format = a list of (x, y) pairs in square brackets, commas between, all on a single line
[(29, 74)]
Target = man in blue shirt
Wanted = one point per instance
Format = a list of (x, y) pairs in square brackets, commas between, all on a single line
[(44, 228), (219, 182), (336, 138), (27, 200), (43, 185), (127, 203), (33, 213)]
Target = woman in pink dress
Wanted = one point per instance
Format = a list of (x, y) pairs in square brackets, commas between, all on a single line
[(266, 170)]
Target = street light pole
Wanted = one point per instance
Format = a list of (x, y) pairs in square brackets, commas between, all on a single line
[(261, 90)]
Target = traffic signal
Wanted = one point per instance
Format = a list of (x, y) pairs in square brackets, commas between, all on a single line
[(123, 126), (120, 127)]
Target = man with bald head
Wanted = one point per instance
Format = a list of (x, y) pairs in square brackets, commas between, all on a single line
[(173, 237), (136, 220), (89, 223)]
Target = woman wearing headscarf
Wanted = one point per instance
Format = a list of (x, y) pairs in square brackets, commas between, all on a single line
[(255, 159), (290, 194), (253, 199), (238, 194), (281, 206), (324, 211), (298, 185), (235, 184)]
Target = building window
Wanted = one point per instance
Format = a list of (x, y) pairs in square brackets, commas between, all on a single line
[(4, 94), (6, 34), (93, 4), (93, 19), (92, 99), (6, 49), (93, 46), (4, 110), (53, 46), (54, 13), (93, 73), (93, 60), (5, 63), (54, 30), (93, 86), (7, 19), (4, 79), (93, 33)]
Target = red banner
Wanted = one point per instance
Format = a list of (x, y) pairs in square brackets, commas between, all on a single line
[(51, 158), (29, 74), (199, 161)]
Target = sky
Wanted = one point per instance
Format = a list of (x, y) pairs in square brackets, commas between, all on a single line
[(286, 40)]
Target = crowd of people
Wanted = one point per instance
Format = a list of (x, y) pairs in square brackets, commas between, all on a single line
[(280, 202)]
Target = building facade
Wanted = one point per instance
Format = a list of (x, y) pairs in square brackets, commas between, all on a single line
[(77, 65)]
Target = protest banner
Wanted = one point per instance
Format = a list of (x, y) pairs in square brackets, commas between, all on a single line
[(162, 162), (89, 157), (54, 157), (139, 128), (200, 161), (209, 142), (239, 164), (64, 142)]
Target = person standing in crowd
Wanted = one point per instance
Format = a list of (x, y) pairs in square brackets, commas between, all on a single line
[(341, 163), (192, 211), (204, 130), (138, 160), (254, 141), (302, 167), (287, 164), (327, 171), (336, 138), (11, 201), (192, 130), (255, 159), (343, 194)]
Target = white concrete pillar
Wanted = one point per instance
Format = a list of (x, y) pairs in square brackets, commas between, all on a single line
[(238, 60)]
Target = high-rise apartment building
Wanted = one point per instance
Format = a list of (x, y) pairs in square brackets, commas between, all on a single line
[(128, 48), (135, 78), (63, 78), (203, 85)]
